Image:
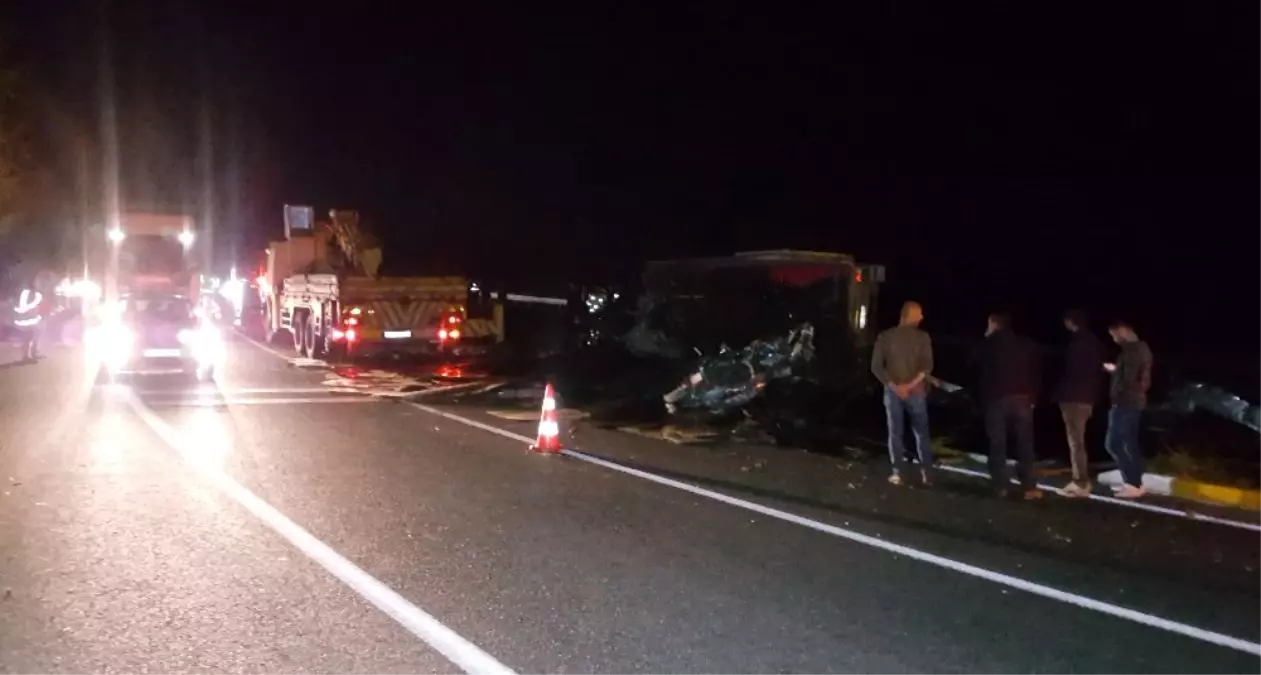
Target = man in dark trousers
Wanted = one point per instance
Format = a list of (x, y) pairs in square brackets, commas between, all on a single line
[(902, 359), (1131, 378), (1078, 392), (1008, 389)]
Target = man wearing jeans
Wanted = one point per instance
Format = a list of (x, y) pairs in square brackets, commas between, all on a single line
[(1008, 389), (901, 359), (1078, 391), (1131, 378)]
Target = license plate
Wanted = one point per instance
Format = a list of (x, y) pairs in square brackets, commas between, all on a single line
[(161, 353), (397, 334)]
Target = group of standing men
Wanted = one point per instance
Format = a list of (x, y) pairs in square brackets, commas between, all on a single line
[(1009, 384)]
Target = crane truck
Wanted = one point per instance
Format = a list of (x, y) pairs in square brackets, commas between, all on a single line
[(321, 291)]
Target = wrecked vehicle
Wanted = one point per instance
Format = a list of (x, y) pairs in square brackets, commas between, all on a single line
[(1217, 401), (702, 303), (732, 378)]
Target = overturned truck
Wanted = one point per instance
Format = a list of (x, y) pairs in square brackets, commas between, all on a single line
[(771, 301)]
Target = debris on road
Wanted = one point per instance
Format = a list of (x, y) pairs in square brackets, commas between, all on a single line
[(522, 415)]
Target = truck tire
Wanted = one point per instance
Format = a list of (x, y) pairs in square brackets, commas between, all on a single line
[(313, 341), (298, 329)]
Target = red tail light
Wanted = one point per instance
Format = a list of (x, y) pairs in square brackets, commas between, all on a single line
[(454, 334), (442, 333)]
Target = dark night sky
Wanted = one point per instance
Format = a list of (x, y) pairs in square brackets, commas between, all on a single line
[(991, 154)]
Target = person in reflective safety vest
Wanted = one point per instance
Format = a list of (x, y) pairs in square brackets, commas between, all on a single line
[(29, 319)]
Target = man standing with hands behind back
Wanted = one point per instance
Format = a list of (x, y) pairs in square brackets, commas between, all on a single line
[(902, 359)]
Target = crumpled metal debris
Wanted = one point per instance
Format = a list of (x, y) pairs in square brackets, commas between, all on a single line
[(1217, 401), (731, 379)]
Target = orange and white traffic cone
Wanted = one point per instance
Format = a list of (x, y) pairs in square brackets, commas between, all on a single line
[(548, 441)]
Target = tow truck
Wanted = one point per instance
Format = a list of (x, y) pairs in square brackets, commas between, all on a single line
[(321, 291)]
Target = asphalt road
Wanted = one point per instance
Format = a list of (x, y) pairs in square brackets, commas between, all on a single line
[(266, 525)]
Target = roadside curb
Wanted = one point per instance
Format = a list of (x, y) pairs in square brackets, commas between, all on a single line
[(1194, 490)]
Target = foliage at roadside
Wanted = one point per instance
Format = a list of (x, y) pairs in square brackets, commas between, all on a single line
[(1189, 462), (14, 148)]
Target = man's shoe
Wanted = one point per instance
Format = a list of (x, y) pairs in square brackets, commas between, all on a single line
[(924, 479), (1131, 492), (1076, 490), (895, 479)]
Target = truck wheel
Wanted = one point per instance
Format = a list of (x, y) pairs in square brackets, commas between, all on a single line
[(298, 327), (314, 342)]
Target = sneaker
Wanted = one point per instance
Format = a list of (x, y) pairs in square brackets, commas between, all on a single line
[(924, 479), (895, 479), (1131, 492), (1076, 490), (1031, 494), (1117, 488)]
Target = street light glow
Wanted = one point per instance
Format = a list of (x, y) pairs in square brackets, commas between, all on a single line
[(116, 235), (186, 238)]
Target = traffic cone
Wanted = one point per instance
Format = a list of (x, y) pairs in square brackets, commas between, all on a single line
[(548, 441)]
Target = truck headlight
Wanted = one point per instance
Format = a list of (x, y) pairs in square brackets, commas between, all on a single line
[(207, 345), (112, 344)]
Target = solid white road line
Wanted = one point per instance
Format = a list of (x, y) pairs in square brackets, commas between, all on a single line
[(211, 390), (198, 402), (1034, 588), (1254, 527), (266, 347), (468, 656), (898, 549)]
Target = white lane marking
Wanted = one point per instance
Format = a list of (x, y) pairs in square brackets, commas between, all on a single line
[(1126, 504), (208, 401), (1121, 502), (898, 549), (230, 391), (266, 348), (468, 656)]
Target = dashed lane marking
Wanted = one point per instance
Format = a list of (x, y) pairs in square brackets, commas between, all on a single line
[(203, 402), (461, 652)]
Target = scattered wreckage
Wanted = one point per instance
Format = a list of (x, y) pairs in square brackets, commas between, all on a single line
[(731, 379)]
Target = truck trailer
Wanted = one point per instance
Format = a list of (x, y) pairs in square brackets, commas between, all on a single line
[(321, 293)]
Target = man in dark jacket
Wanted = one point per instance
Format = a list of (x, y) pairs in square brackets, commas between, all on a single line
[(1008, 389), (1077, 393), (1131, 378)]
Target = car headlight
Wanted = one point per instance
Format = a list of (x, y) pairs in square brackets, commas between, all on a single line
[(113, 344), (207, 345)]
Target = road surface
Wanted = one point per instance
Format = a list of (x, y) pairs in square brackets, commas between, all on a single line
[(267, 525)]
